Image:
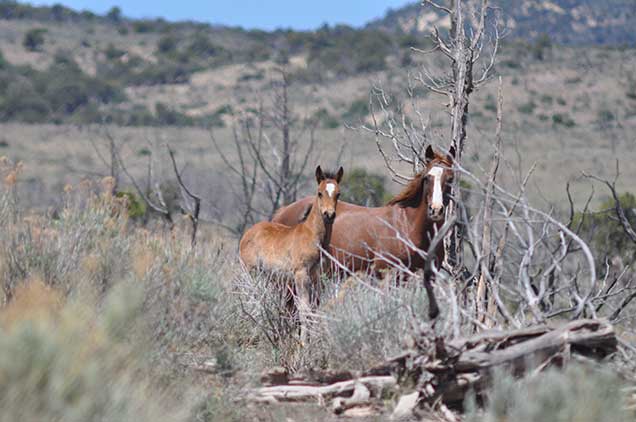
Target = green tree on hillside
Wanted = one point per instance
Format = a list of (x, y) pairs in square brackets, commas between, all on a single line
[(114, 14), (34, 39)]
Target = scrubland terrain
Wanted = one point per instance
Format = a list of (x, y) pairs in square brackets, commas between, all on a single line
[(107, 313)]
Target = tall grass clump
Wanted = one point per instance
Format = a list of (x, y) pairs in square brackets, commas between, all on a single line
[(364, 326), (63, 360), (578, 394), (101, 319), (357, 325)]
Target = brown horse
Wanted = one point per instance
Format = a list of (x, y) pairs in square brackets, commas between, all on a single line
[(279, 249), (369, 238)]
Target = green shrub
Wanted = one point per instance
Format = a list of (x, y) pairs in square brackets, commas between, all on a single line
[(579, 394), (34, 39), (605, 117), (135, 206), (358, 109), (330, 49), (527, 108), (491, 103), (161, 73), (541, 45), (547, 99), (22, 102), (202, 46), (167, 44), (144, 26), (605, 232), (363, 327), (114, 14), (563, 119), (256, 76), (325, 119), (363, 188), (170, 117), (113, 52)]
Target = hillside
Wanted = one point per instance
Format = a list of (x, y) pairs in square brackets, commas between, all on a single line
[(570, 22), (135, 153), (149, 79)]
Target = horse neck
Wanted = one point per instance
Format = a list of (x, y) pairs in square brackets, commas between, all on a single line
[(315, 223), (423, 228)]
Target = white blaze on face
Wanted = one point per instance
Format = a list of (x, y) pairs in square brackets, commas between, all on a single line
[(437, 201), (331, 188)]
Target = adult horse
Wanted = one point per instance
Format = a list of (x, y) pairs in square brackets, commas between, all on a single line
[(376, 238), (295, 251)]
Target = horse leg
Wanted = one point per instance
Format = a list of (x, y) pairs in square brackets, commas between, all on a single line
[(302, 281), (433, 309)]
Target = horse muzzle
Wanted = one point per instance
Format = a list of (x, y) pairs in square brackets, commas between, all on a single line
[(329, 217), (436, 213)]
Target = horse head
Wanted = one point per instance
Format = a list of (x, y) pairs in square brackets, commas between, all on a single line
[(328, 193)]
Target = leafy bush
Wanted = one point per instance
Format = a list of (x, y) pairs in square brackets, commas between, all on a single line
[(491, 103), (541, 45), (168, 116), (135, 207), (364, 188), (201, 45), (527, 108), (325, 119), (579, 394), (364, 327), (605, 232), (161, 73), (605, 117), (167, 44), (563, 119), (34, 39), (330, 49), (113, 53), (114, 14), (55, 94), (358, 109), (547, 99)]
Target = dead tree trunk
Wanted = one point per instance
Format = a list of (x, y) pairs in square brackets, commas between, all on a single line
[(463, 48)]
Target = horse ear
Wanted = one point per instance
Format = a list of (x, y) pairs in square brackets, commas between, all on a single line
[(319, 175), (451, 152), (430, 154), (339, 174)]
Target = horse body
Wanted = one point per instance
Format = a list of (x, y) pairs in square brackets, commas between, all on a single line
[(366, 239), (274, 247), (295, 251)]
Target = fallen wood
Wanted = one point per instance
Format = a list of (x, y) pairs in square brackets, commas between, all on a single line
[(585, 336), (376, 385), (443, 372)]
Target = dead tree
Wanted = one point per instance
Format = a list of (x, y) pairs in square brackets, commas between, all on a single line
[(271, 151), (155, 197), (466, 41), (191, 203)]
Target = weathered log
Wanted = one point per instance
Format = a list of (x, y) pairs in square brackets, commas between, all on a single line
[(361, 396), (444, 372), (587, 337), (376, 385)]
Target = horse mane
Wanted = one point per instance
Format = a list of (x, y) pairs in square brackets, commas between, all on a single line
[(411, 195)]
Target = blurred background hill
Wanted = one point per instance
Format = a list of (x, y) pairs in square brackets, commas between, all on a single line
[(567, 66)]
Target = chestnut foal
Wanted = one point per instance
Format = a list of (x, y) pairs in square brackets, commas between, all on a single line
[(282, 250)]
